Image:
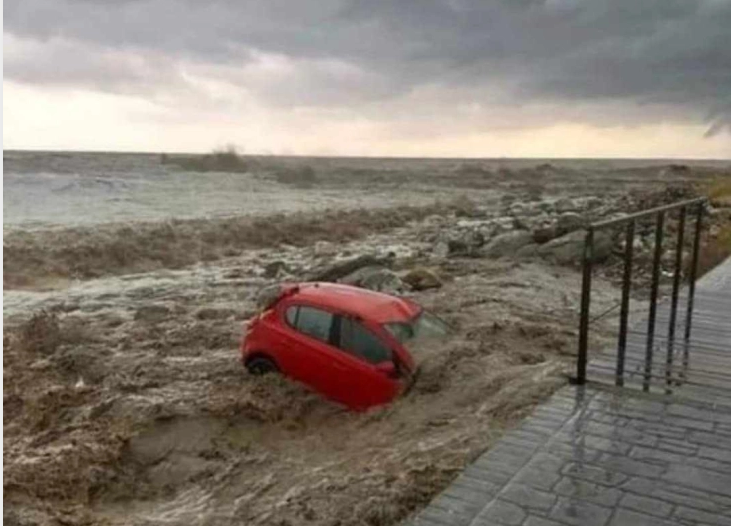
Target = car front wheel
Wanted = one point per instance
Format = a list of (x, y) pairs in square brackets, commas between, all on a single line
[(261, 365)]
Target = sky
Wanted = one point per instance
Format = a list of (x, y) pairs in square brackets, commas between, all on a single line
[(423, 78)]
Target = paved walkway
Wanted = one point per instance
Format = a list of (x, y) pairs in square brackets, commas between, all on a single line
[(593, 456), (705, 375), (606, 456)]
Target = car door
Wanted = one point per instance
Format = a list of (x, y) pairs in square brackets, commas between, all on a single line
[(305, 349), (360, 351)]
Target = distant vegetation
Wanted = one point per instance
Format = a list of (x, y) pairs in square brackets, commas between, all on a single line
[(229, 160), (220, 160)]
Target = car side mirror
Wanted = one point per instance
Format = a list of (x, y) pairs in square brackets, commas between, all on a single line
[(387, 368)]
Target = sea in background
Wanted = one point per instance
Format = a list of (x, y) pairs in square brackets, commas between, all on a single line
[(62, 189)]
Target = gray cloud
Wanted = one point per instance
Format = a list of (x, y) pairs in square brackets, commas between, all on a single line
[(672, 53)]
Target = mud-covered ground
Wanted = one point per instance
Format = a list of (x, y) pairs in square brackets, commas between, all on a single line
[(125, 402)]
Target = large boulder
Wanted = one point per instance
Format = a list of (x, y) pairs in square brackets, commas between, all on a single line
[(340, 269), (528, 251), (545, 233), (462, 242), (569, 249), (422, 279), (507, 244), (375, 278), (569, 221), (565, 205), (275, 269)]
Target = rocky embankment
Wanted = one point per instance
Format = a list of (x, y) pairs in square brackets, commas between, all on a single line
[(549, 230)]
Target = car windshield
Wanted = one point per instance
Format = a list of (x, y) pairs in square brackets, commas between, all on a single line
[(424, 325)]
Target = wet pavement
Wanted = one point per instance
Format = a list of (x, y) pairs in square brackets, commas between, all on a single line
[(598, 455)]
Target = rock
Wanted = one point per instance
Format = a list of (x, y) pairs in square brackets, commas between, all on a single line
[(569, 249), (517, 209), (545, 233), (275, 269), (568, 222), (593, 202), (507, 244), (152, 313), (422, 279), (459, 243), (457, 247), (338, 270), (565, 205), (528, 251), (375, 278)]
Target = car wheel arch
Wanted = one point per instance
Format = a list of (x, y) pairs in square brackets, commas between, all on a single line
[(254, 355)]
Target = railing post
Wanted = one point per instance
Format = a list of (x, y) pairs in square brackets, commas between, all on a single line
[(674, 301), (659, 226), (586, 264), (691, 284), (624, 312)]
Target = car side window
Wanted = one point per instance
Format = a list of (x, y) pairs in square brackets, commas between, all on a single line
[(356, 339), (313, 322), (291, 315)]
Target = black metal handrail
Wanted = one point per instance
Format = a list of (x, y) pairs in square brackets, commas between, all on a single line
[(587, 264)]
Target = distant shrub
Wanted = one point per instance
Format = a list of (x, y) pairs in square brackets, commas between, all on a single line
[(300, 176), (220, 160), (719, 192)]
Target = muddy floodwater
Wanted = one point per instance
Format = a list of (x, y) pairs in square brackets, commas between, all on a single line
[(127, 281)]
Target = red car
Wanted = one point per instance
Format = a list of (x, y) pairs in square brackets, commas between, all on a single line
[(348, 343)]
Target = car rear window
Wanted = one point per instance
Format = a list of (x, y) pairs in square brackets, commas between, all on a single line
[(356, 339), (311, 321)]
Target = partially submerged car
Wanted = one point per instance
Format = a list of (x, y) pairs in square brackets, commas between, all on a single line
[(350, 344)]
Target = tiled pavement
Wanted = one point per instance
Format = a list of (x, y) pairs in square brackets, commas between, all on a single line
[(606, 456), (595, 456)]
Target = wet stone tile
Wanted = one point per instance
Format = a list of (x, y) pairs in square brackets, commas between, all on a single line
[(702, 517), (722, 455), (588, 491), (700, 478), (501, 512), (540, 521), (646, 505), (445, 516), (580, 513), (632, 518), (528, 497), (594, 474), (457, 506)]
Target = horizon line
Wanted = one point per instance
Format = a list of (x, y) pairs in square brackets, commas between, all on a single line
[(361, 156)]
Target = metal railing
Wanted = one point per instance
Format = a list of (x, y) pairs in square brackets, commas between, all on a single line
[(692, 206)]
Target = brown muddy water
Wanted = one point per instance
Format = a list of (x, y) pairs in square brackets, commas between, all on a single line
[(125, 402)]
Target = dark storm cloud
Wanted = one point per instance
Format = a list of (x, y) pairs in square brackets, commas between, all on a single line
[(642, 52)]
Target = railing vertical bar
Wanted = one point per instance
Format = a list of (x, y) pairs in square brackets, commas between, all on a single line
[(674, 300), (659, 227), (691, 284), (624, 312), (587, 261)]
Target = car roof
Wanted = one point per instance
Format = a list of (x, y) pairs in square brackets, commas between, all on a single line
[(374, 306)]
